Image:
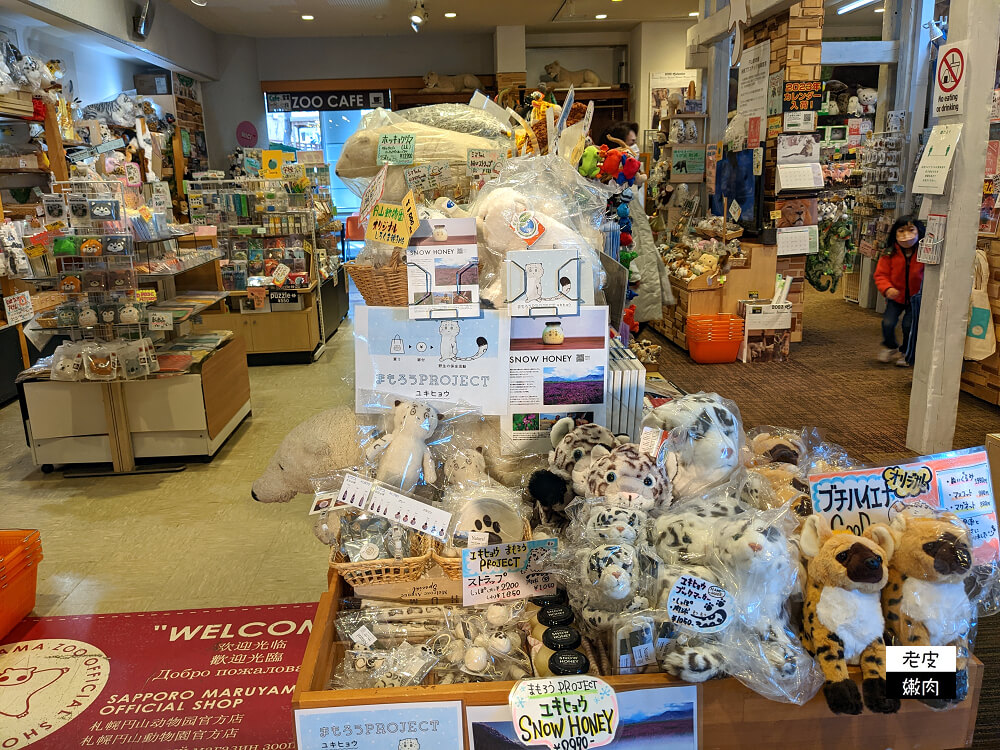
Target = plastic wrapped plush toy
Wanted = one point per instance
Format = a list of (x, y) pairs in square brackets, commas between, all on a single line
[(403, 453)]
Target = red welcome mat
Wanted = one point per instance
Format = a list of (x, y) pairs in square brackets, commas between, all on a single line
[(195, 679)]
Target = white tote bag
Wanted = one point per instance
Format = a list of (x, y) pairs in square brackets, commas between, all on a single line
[(980, 339)]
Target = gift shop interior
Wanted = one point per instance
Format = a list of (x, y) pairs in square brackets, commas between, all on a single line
[(418, 373)]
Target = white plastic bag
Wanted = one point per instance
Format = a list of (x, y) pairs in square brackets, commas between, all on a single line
[(980, 338)]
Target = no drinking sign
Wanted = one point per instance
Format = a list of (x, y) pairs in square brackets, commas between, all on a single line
[(949, 79)]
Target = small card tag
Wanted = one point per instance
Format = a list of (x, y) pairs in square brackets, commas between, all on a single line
[(160, 321), (699, 605), (479, 538), (643, 654), (364, 637), (527, 227)]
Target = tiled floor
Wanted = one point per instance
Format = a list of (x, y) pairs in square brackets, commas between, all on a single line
[(186, 540)]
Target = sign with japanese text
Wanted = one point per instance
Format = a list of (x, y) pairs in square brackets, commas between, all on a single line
[(372, 194), (436, 174), (396, 148), (774, 92), (751, 96), (958, 482), (160, 321), (501, 572), (390, 726), (388, 223), (483, 161), (802, 96), (18, 308), (219, 678), (577, 711)]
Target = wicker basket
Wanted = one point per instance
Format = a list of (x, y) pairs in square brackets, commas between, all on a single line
[(381, 287), (385, 571), (452, 566)]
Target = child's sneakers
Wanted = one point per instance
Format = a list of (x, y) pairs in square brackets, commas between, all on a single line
[(901, 362), (889, 355)]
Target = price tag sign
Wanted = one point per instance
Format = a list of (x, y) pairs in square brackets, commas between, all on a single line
[(699, 605), (372, 194), (396, 148), (35, 251), (565, 712), (483, 161), (735, 211), (500, 572), (145, 295), (958, 482), (160, 321), (389, 223), (18, 308)]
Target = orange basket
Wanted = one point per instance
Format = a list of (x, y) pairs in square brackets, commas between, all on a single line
[(20, 553), (714, 339)]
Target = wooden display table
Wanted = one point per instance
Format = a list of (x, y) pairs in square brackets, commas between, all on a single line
[(731, 717), (704, 295)]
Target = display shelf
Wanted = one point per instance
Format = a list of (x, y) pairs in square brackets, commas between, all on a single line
[(184, 266), (731, 716), (23, 170), (196, 309), (302, 290), (163, 238)]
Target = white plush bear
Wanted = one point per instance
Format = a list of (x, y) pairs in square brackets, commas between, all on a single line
[(402, 453), (867, 98), (854, 107)]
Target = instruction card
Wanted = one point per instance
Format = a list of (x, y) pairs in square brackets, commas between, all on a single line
[(500, 572), (935, 162), (442, 270), (436, 361), (558, 367), (957, 481), (543, 283)]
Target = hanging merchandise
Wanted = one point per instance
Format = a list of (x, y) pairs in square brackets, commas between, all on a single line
[(980, 341), (824, 269)]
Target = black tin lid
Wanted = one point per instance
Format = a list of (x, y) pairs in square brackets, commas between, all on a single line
[(555, 614), (569, 662), (561, 638), (559, 597)]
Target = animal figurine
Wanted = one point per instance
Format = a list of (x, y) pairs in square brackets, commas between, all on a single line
[(674, 102), (868, 99), (402, 453), (842, 615), (854, 107), (676, 134), (925, 601), (691, 132), (590, 162), (120, 111), (433, 82), (630, 478), (578, 78)]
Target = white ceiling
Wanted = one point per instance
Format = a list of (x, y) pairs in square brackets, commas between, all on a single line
[(283, 18)]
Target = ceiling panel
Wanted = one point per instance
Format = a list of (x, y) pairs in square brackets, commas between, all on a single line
[(283, 18)]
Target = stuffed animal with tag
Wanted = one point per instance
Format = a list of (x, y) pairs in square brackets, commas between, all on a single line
[(925, 601), (842, 614), (403, 453)]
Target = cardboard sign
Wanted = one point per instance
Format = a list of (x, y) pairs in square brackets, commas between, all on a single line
[(396, 148), (18, 308), (958, 481), (389, 224), (271, 161), (565, 712), (503, 572), (949, 79), (802, 96), (410, 215), (773, 126), (160, 321), (483, 161), (406, 726), (442, 274)]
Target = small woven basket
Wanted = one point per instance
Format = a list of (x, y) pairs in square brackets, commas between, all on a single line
[(389, 570), (381, 287), (452, 566)]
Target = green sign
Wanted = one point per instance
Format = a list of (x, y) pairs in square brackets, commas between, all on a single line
[(396, 148), (687, 160)]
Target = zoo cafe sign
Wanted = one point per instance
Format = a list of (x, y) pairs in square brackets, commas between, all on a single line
[(326, 101)]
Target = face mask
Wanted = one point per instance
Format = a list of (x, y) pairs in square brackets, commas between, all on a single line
[(634, 148), (907, 242)]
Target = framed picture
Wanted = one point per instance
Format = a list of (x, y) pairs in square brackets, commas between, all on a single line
[(835, 133), (797, 212)]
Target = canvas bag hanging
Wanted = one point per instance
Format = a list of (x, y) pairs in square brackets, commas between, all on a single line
[(980, 340)]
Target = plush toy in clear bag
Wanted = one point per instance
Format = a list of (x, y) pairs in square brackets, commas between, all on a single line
[(705, 437), (842, 613), (402, 456)]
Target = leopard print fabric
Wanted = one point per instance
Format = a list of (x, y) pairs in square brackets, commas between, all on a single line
[(630, 478), (576, 446)]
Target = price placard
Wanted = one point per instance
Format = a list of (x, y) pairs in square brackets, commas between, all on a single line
[(396, 148), (160, 321), (483, 161), (500, 572), (565, 712), (698, 605), (18, 308)]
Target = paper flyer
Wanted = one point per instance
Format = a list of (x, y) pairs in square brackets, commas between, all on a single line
[(407, 726), (543, 282), (437, 361), (442, 270), (554, 380)]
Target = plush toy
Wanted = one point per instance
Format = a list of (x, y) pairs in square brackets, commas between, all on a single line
[(578, 78), (854, 107), (460, 118), (925, 601), (611, 163), (676, 134), (628, 477), (868, 99), (402, 453), (629, 170), (691, 132), (451, 209), (628, 318), (435, 83), (569, 465), (589, 166), (774, 445), (842, 615), (706, 436), (614, 579), (120, 111), (613, 524), (674, 102)]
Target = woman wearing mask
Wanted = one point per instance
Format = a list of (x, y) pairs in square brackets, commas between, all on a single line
[(628, 132), (899, 276)]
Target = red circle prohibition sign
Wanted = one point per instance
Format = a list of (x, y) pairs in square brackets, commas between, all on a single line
[(955, 67)]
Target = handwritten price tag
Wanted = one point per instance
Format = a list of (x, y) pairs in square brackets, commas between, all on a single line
[(501, 572), (565, 712), (18, 308), (396, 148), (699, 605), (160, 321)]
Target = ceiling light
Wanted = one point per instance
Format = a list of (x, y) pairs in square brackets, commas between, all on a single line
[(854, 5), (308, 18), (419, 13), (199, 3), (601, 16), (880, 10), (693, 14), (450, 14)]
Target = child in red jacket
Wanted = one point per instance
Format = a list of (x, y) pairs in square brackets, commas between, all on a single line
[(898, 277)]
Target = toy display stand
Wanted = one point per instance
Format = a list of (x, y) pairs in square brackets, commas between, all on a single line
[(730, 716)]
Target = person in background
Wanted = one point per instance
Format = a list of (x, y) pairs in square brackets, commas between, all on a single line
[(623, 131), (899, 276)]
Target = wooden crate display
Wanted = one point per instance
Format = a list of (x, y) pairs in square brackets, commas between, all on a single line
[(731, 716), (982, 378)]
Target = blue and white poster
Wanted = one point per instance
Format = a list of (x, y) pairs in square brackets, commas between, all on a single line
[(441, 362), (396, 726)]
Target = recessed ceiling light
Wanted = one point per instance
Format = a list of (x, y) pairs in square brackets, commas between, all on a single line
[(450, 14), (308, 18), (601, 16), (693, 14), (200, 3), (880, 10)]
